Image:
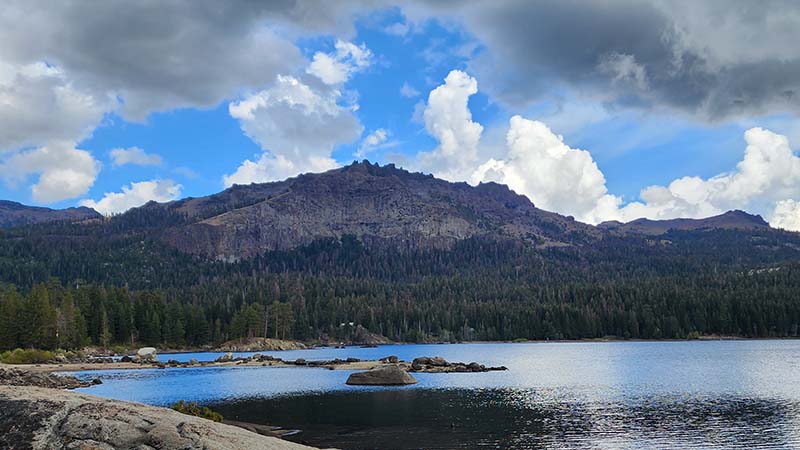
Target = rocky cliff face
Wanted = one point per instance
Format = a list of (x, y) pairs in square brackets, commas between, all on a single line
[(33, 418), (376, 204), (13, 214)]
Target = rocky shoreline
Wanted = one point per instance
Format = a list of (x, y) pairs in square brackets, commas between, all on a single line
[(37, 413), (35, 418), (18, 377), (435, 364)]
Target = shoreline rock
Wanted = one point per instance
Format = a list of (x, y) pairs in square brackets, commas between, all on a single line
[(34, 418), (437, 364), (387, 375), (18, 377)]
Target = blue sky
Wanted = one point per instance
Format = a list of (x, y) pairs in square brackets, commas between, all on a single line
[(604, 128)]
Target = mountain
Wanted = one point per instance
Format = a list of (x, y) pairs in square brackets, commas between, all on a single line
[(379, 205), (731, 220), (398, 254), (13, 214)]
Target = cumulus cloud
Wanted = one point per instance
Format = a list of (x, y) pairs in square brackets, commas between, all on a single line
[(296, 125), (38, 104), (62, 68), (338, 67), (64, 171), (449, 120), (766, 181), (537, 163), (135, 156), (786, 215), (554, 176), (135, 194), (42, 116), (534, 162)]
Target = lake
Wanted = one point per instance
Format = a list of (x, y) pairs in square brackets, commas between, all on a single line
[(603, 395)]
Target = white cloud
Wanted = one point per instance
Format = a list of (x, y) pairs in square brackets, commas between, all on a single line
[(786, 215), (338, 67), (537, 163), (408, 91), (375, 140), (135, 194), (449, 120), (766, 181), (298, 128), (42, 115), (38, 104), (64, 171), (136, 156), (554, 176)]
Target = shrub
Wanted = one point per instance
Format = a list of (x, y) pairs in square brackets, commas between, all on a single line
[(26, 356), (193, 409)]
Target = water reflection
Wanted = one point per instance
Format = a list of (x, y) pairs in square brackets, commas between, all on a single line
[(732, 394), (523, 419)]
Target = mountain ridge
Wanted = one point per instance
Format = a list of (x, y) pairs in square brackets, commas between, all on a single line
[(13, 214), (380, 204), (730, 220), (383, 205)]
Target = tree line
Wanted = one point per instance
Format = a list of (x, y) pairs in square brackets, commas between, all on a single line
[(135, 292)]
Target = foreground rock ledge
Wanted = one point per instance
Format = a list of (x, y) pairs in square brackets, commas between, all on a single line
[(33, 418)]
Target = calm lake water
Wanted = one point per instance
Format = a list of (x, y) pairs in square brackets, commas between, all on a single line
[(616, 395)]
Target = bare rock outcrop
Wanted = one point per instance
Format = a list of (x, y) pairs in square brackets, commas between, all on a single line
[(437, 364), (34, 418), (387, 375), (17, 377)]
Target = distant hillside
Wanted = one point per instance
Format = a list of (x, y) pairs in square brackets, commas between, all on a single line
[(731, 220), (13, 214)]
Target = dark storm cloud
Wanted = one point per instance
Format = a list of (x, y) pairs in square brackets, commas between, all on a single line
[(711, 59), (158, 56)]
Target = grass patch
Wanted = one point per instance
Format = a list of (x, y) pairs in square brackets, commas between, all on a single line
[(26, 356), (193, 409)]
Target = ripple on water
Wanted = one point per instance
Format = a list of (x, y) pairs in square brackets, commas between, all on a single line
[(709, 395)]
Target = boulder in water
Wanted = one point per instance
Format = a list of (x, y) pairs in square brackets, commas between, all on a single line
[(147, 354), (390, 375)]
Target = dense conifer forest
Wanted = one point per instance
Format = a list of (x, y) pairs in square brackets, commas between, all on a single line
[(102, 288)]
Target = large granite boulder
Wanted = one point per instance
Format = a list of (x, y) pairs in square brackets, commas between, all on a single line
[(147, 354), (389, 375)]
